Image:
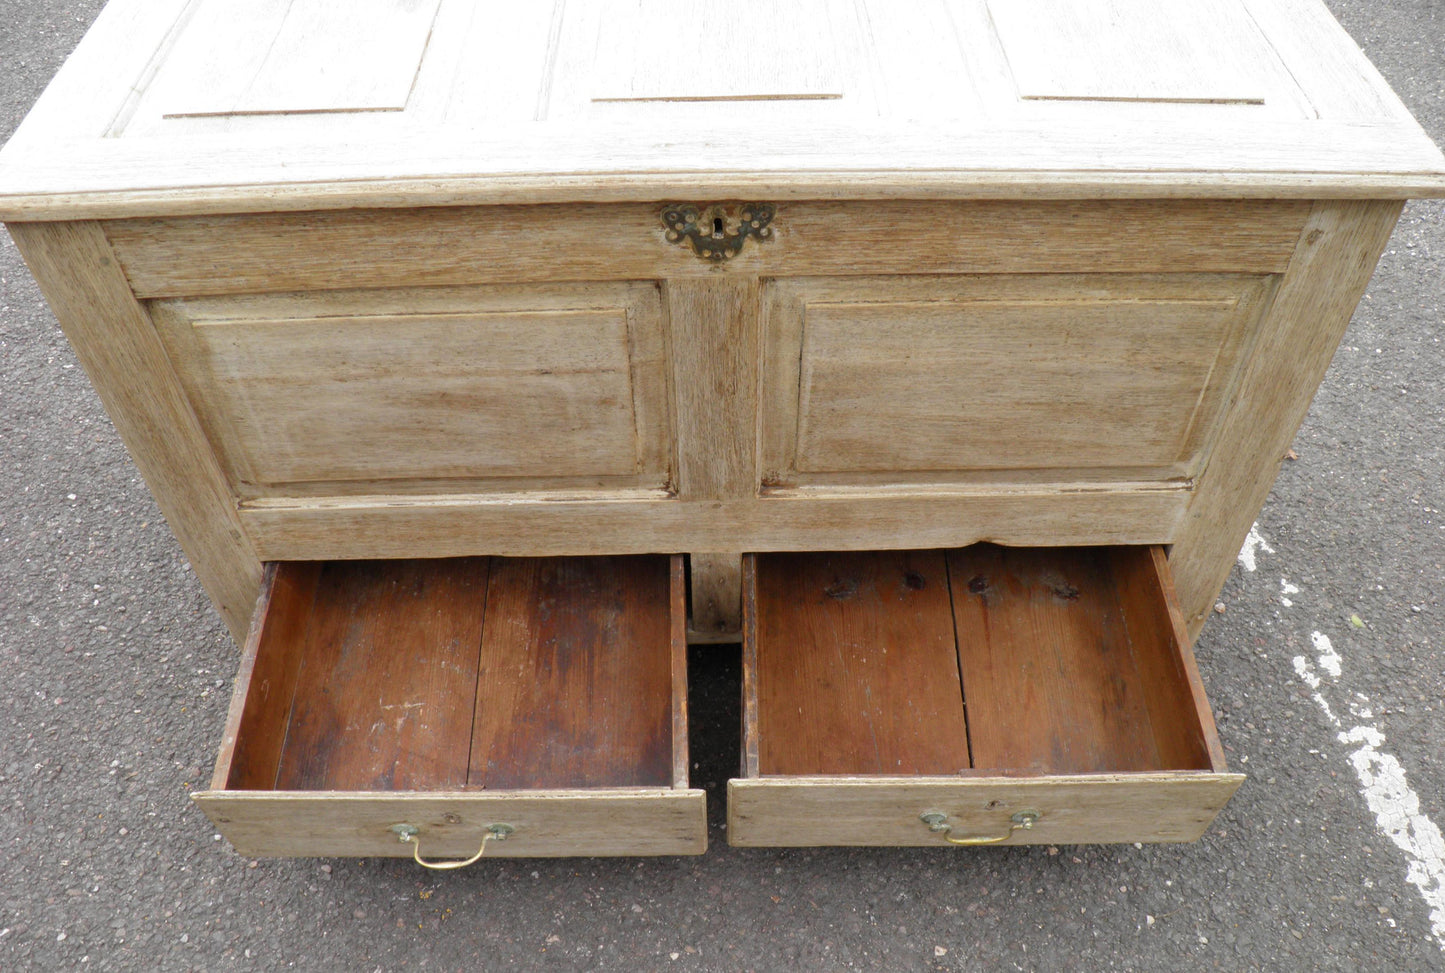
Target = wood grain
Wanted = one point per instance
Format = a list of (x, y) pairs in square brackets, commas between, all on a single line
[(856, 667), (575, 683), (357, 389), (549, 824), (1183, 721), (511, 244), (1090, 808), (677, 634), (1207, 52), (1049, 673), (1337, 253), (624, 522), (525, 123), (717, 591), (907, 375), (713, 327), (265, 687), (388, 675), (116, 343)]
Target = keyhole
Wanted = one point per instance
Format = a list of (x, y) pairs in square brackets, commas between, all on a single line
[(717, 228)]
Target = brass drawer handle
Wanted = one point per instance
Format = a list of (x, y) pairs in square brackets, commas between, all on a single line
[(411, 834), (937, 822), (713, 232)]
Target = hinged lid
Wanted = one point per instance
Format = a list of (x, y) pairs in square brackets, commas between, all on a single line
[(176, 106)]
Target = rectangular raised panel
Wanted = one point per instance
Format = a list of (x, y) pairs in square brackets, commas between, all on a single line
[(248, 57), (349, 390), (744, 50), (973, 684), (1047, 377), (545, 694), (1204, 51)]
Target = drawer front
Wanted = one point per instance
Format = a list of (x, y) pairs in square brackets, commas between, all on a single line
[(1040, 378), (398, 391), (452, 697), (452, 825), (1061, 809)]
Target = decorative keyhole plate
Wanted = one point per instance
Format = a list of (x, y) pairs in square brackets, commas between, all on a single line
[(717, 231)]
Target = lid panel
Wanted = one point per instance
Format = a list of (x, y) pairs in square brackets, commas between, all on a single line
[(250, 57), (1202, 51)]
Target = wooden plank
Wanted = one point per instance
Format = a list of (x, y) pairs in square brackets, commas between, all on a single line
[(749, 731), (1070, 372), (717, 586), (275, 56), (677, 620), (1048, 672), (623, 523), (1343, 85), (116, 342), (575, 683), (1183, 722), (549, 824), (378, 397), (388, 676), (1337, 253), (713, 327), (385, 248), (266, 684), (748, 50), (856, 667), (1012, 158), (115, 61), (1207, 51), (427, 389), (885, 811)]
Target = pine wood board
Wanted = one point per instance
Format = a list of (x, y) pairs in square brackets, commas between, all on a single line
[(513, 244), (520, 525), (549, 824), (1084, 809)]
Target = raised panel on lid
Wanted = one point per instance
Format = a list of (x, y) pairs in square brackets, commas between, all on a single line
[(700, 50), (250, 57), (481, 385), (1199, 51)]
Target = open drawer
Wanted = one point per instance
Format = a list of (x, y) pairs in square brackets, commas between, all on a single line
[(978, 696), (387, 707)]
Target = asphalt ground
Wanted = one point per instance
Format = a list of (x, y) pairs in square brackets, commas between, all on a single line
[(1324, 667)]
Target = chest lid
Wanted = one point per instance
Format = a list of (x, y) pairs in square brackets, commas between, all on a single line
[(175, 106)]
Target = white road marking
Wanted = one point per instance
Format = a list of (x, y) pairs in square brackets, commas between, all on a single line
[(1383, 783), (1253, 544)]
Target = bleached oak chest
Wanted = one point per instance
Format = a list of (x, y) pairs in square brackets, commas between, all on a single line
[(944, 351)]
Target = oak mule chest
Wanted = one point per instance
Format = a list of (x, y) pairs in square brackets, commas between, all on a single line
[(481, 355)]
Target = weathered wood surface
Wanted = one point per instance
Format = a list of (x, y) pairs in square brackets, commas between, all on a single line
[(190, 108), (1091, 808), (575, 683), (1057, 681), (388, 676), (856, 666)]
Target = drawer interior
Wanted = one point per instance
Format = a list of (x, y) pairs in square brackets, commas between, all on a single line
[(868, 674), (551, 685)]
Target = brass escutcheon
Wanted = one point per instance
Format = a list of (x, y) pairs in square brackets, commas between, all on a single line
[(717, 231)]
